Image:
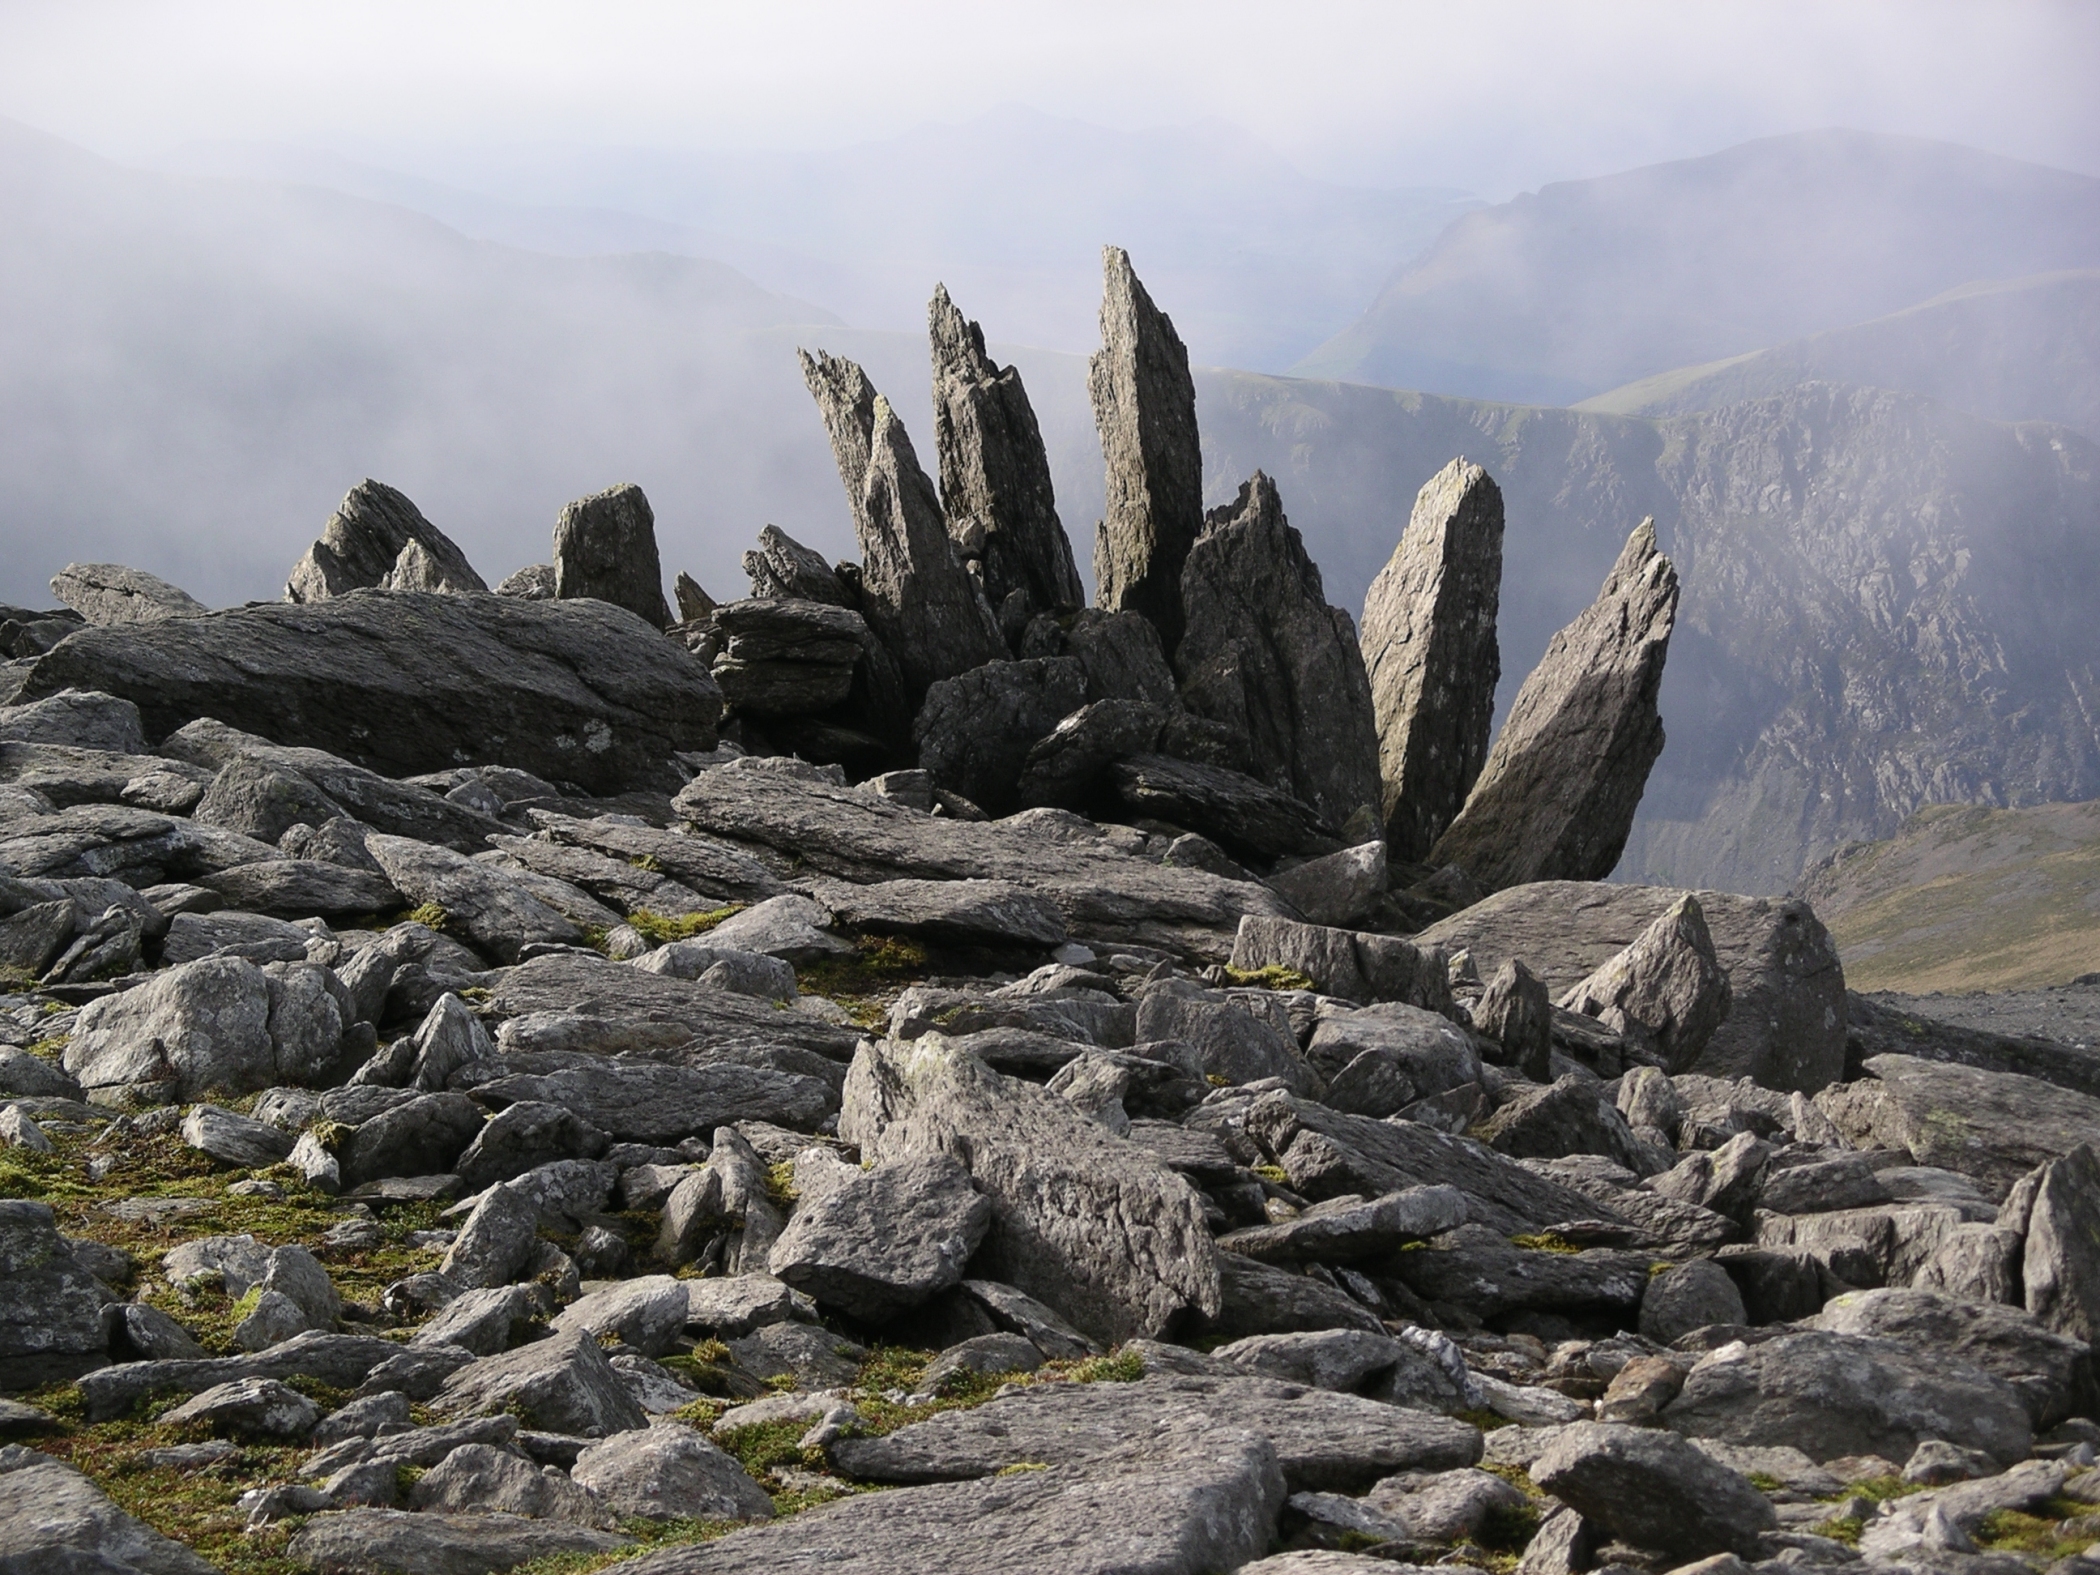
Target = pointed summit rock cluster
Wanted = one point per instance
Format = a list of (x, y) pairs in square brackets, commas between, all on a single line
[(504, 1080)]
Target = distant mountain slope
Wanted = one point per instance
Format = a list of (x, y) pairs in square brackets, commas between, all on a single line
[(1588, 285), (2012, 350), (1886, 603), (1968, 899)]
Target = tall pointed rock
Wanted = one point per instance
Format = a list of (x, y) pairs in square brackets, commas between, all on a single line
[(1145, 410), (1556, 798), (1429, 646), (995, 476), (925, 607), (362, 541), (1264, 654)]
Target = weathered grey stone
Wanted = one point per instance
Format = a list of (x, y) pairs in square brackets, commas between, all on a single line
[(1336, 888), (1690, 1296), (1557, 795), (55, 1317), (215, 1026), (499, 913), (111, 593), (1260, 1298), (1786, 1027), (988, 1355), (1994, 1127), (1476, 1269), (886, 1240), (646, 1313), (1353, 964), (53, 1519), (1089, 1223), (153, 1336), (2050, 1369), (1516, 1010), (1236, 810), (362, 542), (670, 1472), (78, 719), (497, 1241), (783, 567), (523, 1136), (1345, 1360), (972, 912), (1666, 991), (732, 1307), (403, 682), (787, 656), (813, 1358), (418, 569), (533, 583), (714, 870), (1345, 1228), (995, 476), (233, 1139), (728, 1197), (562, 1384), (1836, 1394), (303, 889), (1265, 655), (975, 730), (1120, 651), (861, 836), (421, 1136), (478, 1320), (1414, 1055), (925, 607), (340, 1360), (1430, 650), (402, 1542), (482, 1479), (644, 1102), (1022, 1314), (1241, 1038), (1323, 1440), (605, 548), (1145, 412), (1653, 1489), (31, 938), (2060, 1270), (249, 1408), (1569, 1116)]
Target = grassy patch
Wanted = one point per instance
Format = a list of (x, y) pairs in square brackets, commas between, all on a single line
[(2040, 1536), (1273, 977), (1879, 1489), (1274, 1174), (662, 929), (1544, 1241), (868, 983), (1840, 1528), (1765, 1482), (1488, 1421), (430, 915)]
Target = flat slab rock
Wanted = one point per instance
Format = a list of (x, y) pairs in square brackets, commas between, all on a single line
[(398, 1542), (53, 1518), (408, 682), (1323, 1440), (1994, 1126), (1168, 1498)]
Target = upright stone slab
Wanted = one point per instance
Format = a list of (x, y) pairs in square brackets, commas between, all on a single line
[(605, 547), (1557, 796), (995, 476), (1266, 656), (1145, 410), (1667, 990), (1429, 647), (362, 542), (924, 606)]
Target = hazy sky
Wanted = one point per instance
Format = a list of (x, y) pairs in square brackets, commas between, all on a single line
[(1494, 97)]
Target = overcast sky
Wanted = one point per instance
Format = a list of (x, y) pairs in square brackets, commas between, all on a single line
[(1492, 97)]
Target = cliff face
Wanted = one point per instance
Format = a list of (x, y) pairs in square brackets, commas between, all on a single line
[(1885, 601)]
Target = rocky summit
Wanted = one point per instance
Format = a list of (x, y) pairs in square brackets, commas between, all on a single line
[(901, 1069)]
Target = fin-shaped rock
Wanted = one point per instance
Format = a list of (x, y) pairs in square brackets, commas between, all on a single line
[(995, 476), (418, 569), (1556, 798), (782, 566), (1264, 654), (605, 548), (915, 593), (1667, 990), (362, 542), (1145, 410), (1429, 646)]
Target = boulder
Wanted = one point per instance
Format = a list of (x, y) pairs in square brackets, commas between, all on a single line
[(1995, 1127), (1516, 1011), (928, 611), (1241, 1038), (55, 1317), (605, 548), (1257, 1298), (524, 1136), (111, 593), (304, 889), (496, 1242), (1354, 964), (645, 1102), (646, 1313), (234, 1139), (1384, 1057), (1336, 888), (2051, 1370), (1556, 798), (562, 1384), (52, 1518), (782, 567), (884, 1240), (1830, 1395), (1089, 1223), (974, 731), (1238, 811), (364, 539), (995, 475), (76, 719), (2060, 1269), (787, 656), (1690, 1296), (402, 1542), (339, 1360), (404, 682), (260, 1408), (1145, 412), (1322, 1440), (1347, 1228), (968, 912), (422, 1135), (1431, 655), (670, 1472), (219, 1025), (483, 1479), (1654, 1490), (1666, 992), (501, 915), (1483, 1272), (1265, 655), (1786, 1026)]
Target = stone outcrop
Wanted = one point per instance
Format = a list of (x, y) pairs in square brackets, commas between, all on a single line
[(782, 566), (111, 593), (1266, 656), (995, 476), (365, 538), (1429, 647), (605, 548), (1145, 410), (1666, 990), (927, 609), (1555, 800), (575, 691)]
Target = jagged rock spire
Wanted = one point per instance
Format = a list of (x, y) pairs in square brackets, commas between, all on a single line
[(1145, 410), (362, 542), (1429, 646), (1556, 798), (1264, 654), (926, 608), (995, 476)]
